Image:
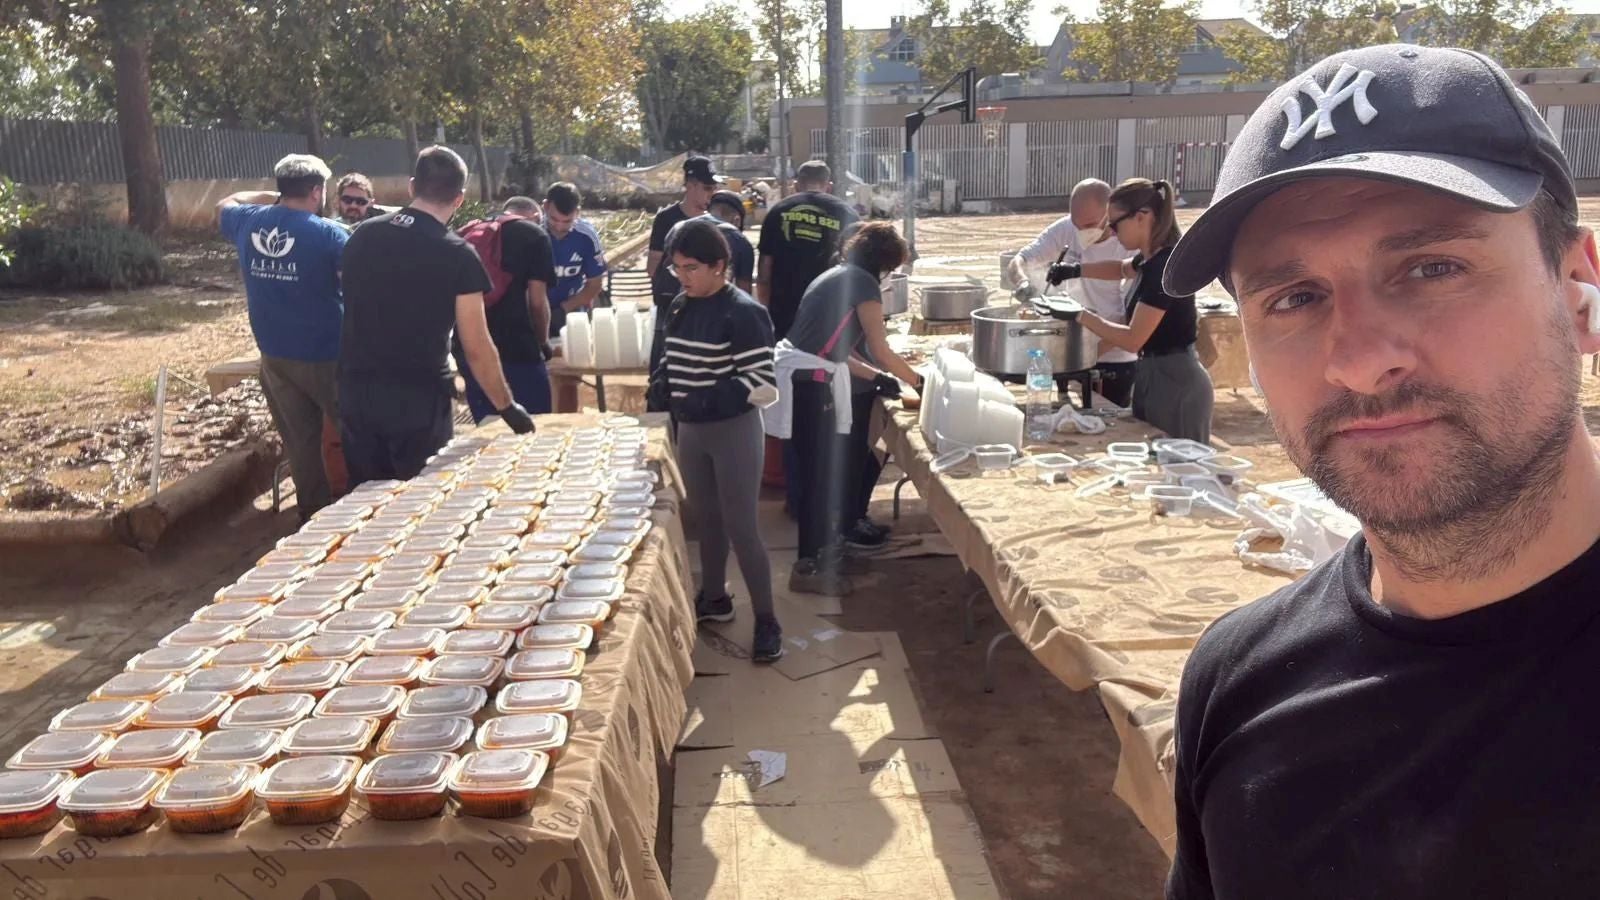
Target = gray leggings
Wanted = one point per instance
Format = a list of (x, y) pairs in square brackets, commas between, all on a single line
[(721, 464)]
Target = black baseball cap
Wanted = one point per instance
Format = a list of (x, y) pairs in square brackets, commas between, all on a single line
[(727, 198), (1444, 119), (699, 168)]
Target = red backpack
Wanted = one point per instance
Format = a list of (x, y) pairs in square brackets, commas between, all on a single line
[(484, 236)]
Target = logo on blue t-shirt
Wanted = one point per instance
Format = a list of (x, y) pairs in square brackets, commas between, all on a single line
[(272, 243), (578, 257)]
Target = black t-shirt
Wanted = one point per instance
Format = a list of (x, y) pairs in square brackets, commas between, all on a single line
[(1177, 329), (828, 309), (1330, 747), (801, 236), (402, 273), (525, 253), (663, 284)]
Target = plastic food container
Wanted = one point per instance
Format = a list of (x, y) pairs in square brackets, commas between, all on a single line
[(531, 595), (527, 574), (251, 592), (630, 525), (492, 642), (1173, 500), (336, 735), (576, 526), (333, 525), (994, 456), (391, 670), (181, 660), (268, 711), (314, 608), (592, 552), (191, 709), (400, 581), (539, 556), (258, 746), (447, 616), (137, 686), (232, 681), (1179, 471), (500, 526), (483, 671), (391, 600), (546, 732), (445, 528), (463, 594), (1227, 468), (113, 802), (645, 499), (29, 802), (250, 653), (363, 622), (158, 748), (503, 543), (1137, 451), (559, 695), (354, 570), (406, 786), (370, 701), (315, 677), (413, 561), (444, 734), (73, 751), (406, 641), (282, 573), (503, 616), (232, 612), (345, 647), (527, 665), (604, 590), (370, 552), (629, 512), (552, 540), (568, 511), (302, 540), (573, 497), (578, 612), (207, 799), (504, 509), (308, 790), (556, 637), (498, 784), (444, 700), (1138, 482), (100, 715), (279, 630), (1053, 467), (1178, 450), (627, 540), (494, 560), (340, 589), (201, 634), (586, 571)]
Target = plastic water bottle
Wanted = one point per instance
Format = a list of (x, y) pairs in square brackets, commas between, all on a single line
[(1041, 382)]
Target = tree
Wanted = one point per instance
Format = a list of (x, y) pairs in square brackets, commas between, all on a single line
[(694, 71), (1516, 33), (39, 78), (991, 35), (1133, 40), (1302, 32)]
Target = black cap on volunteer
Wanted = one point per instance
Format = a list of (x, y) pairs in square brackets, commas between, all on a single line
[(699, 168), (727, 198), (1443, 119)]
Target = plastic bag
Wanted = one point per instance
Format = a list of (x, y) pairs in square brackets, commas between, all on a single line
[(1307, 543), (1069, 419)]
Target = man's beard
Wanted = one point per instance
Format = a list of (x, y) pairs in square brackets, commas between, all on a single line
[(1464, 514)]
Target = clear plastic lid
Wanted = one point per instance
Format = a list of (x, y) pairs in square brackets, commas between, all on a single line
[(375, 700), (312, 676), (400, 581), (232, 612), (333, 525), (201, 634), (464, 594), (345, 647), (505, 509), (575, 612), (573, 497), (309, 777), (369, 551), (508, 616), (627, 512), (385, 670), (634, 525), (210, 785), (407, 773), (627, 540), (340, 589), (479, 670), (579, 527), (440, 545), (260, 655), (539, 556), (553, 540), (360, 621), (605, 590), (523, 496), (268, 711), (444, 700), (353, 569), (137, 686), (172, 659), (552, 695), (230, 680), (496, 771), (350, 735), (412, 561), (114, 790), (406, 641), (581, 481), (61, 750), (395, 601), (544, 662), (277, 572), (500, 542), (568, 511), (190, 709), (586, 571), (442, 734), (301, 540), (490, 642), (494, 560), (99, 715), (534, 574), (527, 731), (601, 553), (500, 526), (26, 792), (315, 608), (279, 630), (237, 745), (572, 637), (534, 595), (159, 748), (646, 499), (448, 616)]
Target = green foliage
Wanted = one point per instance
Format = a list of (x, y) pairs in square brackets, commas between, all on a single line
[(694, 72), (1133, 40), (991, 35), (15, 211), (83, 256), (1302, 32), (1516, 33)]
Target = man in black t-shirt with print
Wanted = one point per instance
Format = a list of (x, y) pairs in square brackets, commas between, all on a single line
[(1414, 718), (799, 241), (408, 280), (700, 182)]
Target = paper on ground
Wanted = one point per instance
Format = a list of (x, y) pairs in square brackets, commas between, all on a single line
[(772, 763)]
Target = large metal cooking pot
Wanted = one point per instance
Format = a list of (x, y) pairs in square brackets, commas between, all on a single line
[(952, 302), (1001, 339), (896, 294)]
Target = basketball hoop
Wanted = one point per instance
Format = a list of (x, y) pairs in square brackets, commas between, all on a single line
[(992, 118)]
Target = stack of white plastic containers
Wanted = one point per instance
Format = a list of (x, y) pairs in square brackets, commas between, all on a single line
[(611, 338), (962, 407)]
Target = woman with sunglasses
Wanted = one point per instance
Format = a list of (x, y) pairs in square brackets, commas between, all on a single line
[(714, 374), (1171, 389)]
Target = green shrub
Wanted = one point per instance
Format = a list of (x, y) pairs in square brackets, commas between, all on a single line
[(471, 210), (82, 256), (15, 210)]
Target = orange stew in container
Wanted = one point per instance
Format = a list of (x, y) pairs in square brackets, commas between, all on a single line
[(335, 588), (157, 748), (137, 686), (250, 653), (315, 678), (268, 711), (556, 637), (114, 802), (406, 786), (308, 607), (577, 612), (529, 731), (534, 595), (393, 600), (444, 700), (507, 616), (235, 681), (528, 665), (406, 641), (560, 695), (259, 746), (344, 647), (232, 612), (340, 735), (462, 594), (189, 709), (366, 621), (182, 660), (28, 802), (448, 616), (393, 670), (498, 784), (100, 715), (442, 734), (539, 556), (210, 798), (477, 643), (74, 751), (374, 701), (279, 630), (483, 671), (308, 790), (201, 634)]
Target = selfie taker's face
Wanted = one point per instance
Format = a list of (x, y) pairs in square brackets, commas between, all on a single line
[(1418, 357)]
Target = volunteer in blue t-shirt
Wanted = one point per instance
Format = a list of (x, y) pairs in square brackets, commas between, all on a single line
[(289, 257), (580, 261)]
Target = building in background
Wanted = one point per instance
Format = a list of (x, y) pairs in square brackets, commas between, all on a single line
[(1202, 62)]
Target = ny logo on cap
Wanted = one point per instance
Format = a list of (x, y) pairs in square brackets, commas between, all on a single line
[(1340, 90)]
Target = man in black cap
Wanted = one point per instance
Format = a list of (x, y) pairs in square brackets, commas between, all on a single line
[(1414, 718), (700, 181), (799, 240)]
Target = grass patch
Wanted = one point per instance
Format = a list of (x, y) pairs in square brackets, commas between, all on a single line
[(157, 316)]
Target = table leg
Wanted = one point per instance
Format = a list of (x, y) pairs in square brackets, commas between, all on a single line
[(904, 479), (988, 658), (600, 391), (967, 632)]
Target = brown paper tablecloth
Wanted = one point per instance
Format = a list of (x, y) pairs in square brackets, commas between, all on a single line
[(591, 837), (1103, 592)]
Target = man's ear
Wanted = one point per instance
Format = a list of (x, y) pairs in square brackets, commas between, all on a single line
[(1581, 272)]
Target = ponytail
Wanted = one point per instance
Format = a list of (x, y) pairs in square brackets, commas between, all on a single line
[(1156, 196)]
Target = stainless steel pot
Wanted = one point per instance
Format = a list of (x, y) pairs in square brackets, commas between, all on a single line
[(1001, 339), (897, 295), (952, 302)]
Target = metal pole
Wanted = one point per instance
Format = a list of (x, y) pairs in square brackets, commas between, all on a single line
[(155, 431), (835, 94), (783, 114)]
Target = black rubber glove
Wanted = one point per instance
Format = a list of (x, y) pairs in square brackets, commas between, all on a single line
[(518, 418), (1024, 293), (886, 385), (547, 351), (1060, 272)]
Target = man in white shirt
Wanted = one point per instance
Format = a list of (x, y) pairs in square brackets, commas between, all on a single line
[(1082, 236)]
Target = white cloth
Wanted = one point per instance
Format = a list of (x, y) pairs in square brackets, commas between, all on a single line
[(787, 359)]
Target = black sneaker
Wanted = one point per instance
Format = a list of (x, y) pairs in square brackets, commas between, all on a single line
[(768, 644), (863, 535), (868, 525), (718, 610)]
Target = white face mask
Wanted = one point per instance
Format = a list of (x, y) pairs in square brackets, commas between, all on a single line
[(1088, 236)]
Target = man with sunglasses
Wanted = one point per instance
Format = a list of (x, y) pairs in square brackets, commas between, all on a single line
[(354, 200)]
